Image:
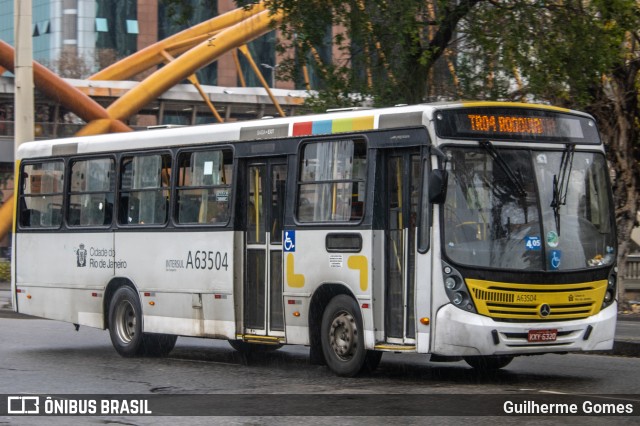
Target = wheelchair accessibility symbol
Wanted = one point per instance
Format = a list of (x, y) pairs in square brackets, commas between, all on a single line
[(555, 257), (289, 243)]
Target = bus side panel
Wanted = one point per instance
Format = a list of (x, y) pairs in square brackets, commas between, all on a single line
[(378, 283), (185, 280), (423, 283), (84, 264), (310, 264)]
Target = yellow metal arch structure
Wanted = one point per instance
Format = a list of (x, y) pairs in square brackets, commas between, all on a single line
[(185, 65), (70, 97), (175, 45), (55, 87), (197, 47)]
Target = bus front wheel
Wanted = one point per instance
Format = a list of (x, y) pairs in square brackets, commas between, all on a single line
[(125, 328), (342, 338)]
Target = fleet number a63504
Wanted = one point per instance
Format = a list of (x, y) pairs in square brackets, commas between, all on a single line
[(201, 259)]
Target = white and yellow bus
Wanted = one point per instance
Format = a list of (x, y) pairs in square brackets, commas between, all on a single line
[(475, 230)]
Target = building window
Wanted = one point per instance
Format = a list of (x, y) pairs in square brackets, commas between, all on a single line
[(101, 25), (132, 27)]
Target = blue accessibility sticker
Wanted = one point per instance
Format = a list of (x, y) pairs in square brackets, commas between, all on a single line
[(289, 243), (555, 256)]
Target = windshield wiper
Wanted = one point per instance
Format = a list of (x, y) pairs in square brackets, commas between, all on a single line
[(515, 180), (561, 185)]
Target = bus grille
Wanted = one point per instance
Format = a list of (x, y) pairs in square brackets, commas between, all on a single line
[(537, 302)]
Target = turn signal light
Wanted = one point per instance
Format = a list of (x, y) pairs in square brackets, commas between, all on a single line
[(424, 321), (296, 314)]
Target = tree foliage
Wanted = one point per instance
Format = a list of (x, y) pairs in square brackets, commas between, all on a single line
[(580, 54), (383, 51)]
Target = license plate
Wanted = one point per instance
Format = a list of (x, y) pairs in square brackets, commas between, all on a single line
[(542, 335)]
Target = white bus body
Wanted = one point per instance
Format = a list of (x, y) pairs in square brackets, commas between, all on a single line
[(328, 231)]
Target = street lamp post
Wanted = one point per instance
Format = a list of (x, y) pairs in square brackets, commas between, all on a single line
[(273, 73), (24, 109)]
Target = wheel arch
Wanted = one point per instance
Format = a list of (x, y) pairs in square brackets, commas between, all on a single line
[(110, 290), (319, 301)]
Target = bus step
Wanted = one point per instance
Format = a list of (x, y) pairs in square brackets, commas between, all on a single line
[(389, 347)]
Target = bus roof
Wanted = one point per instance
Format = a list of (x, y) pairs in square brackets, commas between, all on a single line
[(343, 121)]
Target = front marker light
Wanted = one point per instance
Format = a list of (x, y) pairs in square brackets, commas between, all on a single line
[(450, 283), (456, 289), (608, 296), (610, 293)]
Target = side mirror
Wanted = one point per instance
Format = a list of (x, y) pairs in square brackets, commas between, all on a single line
[(438, 186)]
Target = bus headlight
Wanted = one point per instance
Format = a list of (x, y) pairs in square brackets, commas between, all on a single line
[(456, 289), (608, 296), (610, 293), (450, 283)]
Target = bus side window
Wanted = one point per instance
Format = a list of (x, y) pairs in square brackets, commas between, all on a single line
[(331, 185), (204, 187), (144, 189), (92, 192), (41, 195)]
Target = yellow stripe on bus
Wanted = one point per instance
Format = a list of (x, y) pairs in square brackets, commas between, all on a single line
[(513, 104), (293, 280), (361, 264)]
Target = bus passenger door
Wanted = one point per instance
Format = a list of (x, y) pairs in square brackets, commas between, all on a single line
[(263, 310), (403, 191)]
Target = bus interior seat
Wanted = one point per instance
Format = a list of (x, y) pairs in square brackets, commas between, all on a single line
[(56, 215), (30, 218), (189, 211)]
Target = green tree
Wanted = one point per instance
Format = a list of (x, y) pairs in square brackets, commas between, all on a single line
[(382, 50), (580, 54)]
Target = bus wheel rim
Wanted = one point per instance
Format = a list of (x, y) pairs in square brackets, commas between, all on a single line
[(126, 322), (343, 336)]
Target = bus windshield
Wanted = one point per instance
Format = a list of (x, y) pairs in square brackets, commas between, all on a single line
[(528, 210)]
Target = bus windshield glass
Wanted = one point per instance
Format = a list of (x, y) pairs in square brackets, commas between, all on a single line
[(528, 210)]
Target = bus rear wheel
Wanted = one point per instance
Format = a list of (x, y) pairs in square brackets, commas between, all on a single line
[(488, 363), (125, 328), (342, 338)]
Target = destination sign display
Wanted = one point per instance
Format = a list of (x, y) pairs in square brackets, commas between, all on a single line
[(517, 124)]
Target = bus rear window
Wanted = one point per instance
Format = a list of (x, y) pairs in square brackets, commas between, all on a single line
[(41, 195), (331, 186)]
